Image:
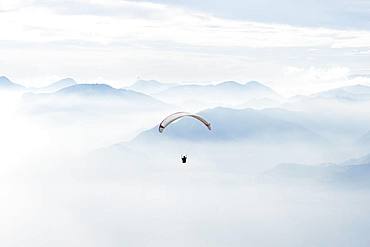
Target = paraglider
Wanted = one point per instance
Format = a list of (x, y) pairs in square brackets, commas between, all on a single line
[(183, 158), (173, 117)]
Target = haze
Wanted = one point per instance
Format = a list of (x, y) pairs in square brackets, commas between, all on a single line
[(85, 84)]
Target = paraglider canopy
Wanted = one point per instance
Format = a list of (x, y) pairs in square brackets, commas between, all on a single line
[(173, 117)]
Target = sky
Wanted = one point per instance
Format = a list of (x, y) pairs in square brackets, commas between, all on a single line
[(296, 47)]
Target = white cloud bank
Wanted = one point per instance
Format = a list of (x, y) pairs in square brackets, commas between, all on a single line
[(100, 38), (131, 21)]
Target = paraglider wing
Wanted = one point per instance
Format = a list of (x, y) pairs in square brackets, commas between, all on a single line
[(173, 117)]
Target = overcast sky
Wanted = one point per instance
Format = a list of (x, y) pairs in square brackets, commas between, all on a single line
[(296, 47)]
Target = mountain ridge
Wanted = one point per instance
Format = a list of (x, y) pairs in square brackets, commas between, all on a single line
[(7, 84), (234, 124)]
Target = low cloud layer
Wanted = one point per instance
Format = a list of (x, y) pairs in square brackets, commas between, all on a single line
[(73, 172)]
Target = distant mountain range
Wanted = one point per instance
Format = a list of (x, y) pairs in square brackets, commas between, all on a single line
[(364, 139), (90, 97), (357, 161), (263, 138), (107, 93), (328, 124), (235, 125), (339, 109), (352, 172), (231, 91), (150, 86), (227, 93), (6, 84), (348, 93), (67, 82)]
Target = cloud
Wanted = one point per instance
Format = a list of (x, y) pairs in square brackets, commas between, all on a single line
[(109, 21), (11, 5), (315, 79), (329, 13), (319, 74), (96, 39)]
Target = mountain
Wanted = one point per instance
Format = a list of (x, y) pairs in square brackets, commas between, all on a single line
[(364, 139), (300, 172), (346, 109), (357, 161), (150, 86), (67, 82), (229, 93), (105, 92), (90, 97), (6, 84), (347, 173), (260, 103), (247, 140), (348, 93), (234, 125)]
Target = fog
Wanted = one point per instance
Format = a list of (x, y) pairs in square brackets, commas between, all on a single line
[(94, 171)]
